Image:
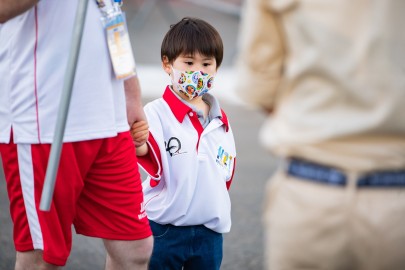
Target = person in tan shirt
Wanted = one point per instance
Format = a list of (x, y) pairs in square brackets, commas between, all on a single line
[(331, 76)]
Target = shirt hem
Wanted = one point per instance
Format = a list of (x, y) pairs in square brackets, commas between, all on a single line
[(73, 137)]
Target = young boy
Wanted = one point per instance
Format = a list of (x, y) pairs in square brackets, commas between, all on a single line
[(190, 154)]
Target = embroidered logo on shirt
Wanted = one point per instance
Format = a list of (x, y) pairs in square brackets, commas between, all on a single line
[(173, 146), (142, 211), (224, 159)]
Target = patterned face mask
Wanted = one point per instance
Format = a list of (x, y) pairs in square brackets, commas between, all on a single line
[(192, 83)]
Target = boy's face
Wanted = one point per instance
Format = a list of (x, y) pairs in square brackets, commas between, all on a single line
[(196, 62)]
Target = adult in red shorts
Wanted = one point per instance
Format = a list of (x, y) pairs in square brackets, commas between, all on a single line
[(98, 186)]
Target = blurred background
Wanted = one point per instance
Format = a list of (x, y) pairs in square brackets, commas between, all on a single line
[(148, 21)]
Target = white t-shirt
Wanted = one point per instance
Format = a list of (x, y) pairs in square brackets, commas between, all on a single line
[(190, 187), (34, 51)]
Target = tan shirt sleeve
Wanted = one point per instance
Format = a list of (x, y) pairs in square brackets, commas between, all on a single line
[(261, 56)]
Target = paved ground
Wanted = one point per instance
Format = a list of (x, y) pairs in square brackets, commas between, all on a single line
[(243, 246)]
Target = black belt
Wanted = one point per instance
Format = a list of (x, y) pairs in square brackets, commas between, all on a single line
[(328, 175)]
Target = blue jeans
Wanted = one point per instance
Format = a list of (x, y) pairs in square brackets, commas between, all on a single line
[(191, 247)]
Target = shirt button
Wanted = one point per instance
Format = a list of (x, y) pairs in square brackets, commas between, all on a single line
[(191, 114)]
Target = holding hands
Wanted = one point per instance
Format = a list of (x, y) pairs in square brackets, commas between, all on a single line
[(140, 133)]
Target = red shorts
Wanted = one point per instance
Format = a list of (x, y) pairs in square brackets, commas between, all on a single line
[(98, 189)]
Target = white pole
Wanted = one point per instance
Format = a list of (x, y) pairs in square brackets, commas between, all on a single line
[(54, 158)]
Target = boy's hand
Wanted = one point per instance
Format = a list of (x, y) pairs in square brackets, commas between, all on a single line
[(140, 132)]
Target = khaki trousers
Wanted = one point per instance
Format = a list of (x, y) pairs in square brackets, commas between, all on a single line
[(311, 225)]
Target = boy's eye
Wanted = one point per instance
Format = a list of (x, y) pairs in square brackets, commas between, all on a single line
[(206, 64), (189, 63)]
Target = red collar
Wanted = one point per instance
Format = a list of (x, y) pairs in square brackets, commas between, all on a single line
[(224, 120), (180, 110)]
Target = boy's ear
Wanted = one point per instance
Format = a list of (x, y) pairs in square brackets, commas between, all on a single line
[(166, 64)]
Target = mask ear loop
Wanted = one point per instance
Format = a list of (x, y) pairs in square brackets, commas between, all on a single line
[(172, 69), (174, 86)]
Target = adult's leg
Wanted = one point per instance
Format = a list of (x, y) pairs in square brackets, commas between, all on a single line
[(27, 257), (123, 255), (42, 239), (32, 260), (306, 225), (378, 228), (110, 206)]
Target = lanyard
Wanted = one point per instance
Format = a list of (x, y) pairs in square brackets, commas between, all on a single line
[(110, 6), (119, 45), (101, 3)]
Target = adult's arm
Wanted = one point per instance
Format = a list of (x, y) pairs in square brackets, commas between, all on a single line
[(261, 55), (134, 104), (12, 8)]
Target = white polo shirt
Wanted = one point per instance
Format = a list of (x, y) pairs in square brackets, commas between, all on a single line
[(196, 166), (34, 51)]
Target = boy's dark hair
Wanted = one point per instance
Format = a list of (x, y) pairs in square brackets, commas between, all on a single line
[(192, 35)]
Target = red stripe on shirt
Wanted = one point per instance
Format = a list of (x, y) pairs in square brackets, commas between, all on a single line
[(152, 162), (229, 182)]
